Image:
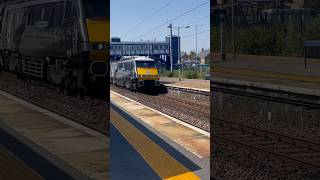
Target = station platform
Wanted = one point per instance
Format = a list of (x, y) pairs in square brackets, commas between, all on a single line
[(147, 144), (195, 84), (282, 73), (38, 144)]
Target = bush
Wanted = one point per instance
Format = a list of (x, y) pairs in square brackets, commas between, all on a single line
[(260, 40), (191, 74), (188, 73), (275, 40)]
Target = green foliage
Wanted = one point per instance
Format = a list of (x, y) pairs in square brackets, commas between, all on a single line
[(311, 4), (192, 55), (313, 30), (260, 40), (275, 40), (167, 73), (215, 39), (293, 46), (189, 74)]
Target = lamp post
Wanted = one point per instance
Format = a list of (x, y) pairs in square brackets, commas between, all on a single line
[(197, 41), (233, 31), (223, 55), (171, 61), (179, 48)]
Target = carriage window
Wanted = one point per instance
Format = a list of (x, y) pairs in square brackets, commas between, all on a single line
[(13, 15)]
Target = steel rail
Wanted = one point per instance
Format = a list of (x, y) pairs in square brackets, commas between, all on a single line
[(291, 101), (240, 129), (194, 91)]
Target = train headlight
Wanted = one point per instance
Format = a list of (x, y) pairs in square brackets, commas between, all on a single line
[(100, 46)]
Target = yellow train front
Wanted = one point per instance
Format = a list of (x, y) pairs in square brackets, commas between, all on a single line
[(135, 72)]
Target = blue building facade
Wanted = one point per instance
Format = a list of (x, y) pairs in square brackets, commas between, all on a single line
[(158, 50)]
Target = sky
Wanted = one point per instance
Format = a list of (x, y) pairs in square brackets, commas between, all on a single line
[(133, 20)]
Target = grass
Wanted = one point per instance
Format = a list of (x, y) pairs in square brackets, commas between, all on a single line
[(188, 74)]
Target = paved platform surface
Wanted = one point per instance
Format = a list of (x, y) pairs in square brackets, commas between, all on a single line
[(79, 151), (282, 71), (167, 148), (196, 84)]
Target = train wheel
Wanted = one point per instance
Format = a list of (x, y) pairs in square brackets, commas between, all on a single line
[(70, 84), (134, 87), (1, 62), (99, 88)]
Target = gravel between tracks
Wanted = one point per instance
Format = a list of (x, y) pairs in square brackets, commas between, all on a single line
[(91, 112), (194, 110), (230, 162)]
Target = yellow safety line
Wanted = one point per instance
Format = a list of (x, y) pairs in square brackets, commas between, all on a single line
[(265, 74), (13, 168), (161, 162)]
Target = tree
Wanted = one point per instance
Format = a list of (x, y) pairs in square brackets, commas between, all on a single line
[(192, 55), (311, 4)]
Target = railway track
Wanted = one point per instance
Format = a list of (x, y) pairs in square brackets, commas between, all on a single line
[(286, 98), (194, 91), (293, 150), (298, 152), (85, 112), (194, 112)]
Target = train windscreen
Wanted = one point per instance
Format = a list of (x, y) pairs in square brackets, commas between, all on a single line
[(146, 64), (96, 8)]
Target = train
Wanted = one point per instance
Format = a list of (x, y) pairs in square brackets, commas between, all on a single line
[(134, 73), (61, 42)]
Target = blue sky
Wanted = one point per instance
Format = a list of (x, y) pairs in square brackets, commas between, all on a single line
[(126, 14)]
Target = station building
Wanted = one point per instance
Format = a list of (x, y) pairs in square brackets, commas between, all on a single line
[(158, 50)]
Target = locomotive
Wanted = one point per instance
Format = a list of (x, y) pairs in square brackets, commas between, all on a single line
[(61, 42), (135, 72)]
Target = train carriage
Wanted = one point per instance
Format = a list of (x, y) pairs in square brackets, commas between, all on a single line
[(62, 42), (135, 72)]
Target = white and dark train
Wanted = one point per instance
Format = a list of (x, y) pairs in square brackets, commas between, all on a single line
[(62, 42), (135, 72)]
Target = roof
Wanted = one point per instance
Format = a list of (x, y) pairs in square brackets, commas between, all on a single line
[(138, 42), (135, 58)]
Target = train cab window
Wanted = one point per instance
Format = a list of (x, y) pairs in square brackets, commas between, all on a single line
[(96, 8), (146, 64)]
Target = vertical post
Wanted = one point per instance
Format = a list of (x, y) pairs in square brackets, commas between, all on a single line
[(223, 56), (148, 49), (179, 56), (305, 58), (195, 57), (171, 58), (233, 31), (301, 21)]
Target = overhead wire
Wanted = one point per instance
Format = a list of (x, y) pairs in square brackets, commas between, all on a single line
[(191, 35), (172, 19), (149, 17)]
